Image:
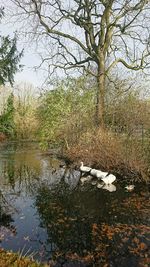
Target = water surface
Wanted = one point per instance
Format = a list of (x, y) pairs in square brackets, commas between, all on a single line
[(45, 213)]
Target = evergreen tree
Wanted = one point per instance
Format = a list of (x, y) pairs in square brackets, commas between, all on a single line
[(9, 57)]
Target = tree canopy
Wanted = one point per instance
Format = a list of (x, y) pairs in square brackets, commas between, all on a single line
[(90, 35)]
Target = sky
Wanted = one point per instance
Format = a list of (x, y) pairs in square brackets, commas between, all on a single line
[(28, 74)]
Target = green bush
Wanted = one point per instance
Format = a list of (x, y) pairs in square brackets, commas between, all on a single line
[(66, 112), (7, 125)]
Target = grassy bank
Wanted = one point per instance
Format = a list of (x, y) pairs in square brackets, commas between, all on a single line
[(9, 259)]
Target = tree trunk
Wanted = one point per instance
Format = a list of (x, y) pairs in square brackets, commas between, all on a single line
[(100, 97)]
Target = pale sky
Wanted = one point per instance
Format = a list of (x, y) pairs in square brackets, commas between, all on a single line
[(28, 73)]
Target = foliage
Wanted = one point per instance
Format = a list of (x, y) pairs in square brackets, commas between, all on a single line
[(25, 112), (7, 125), (9, 59), (129, 113), (66, 111)]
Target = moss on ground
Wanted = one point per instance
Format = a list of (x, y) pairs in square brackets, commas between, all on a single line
[(9, 259)]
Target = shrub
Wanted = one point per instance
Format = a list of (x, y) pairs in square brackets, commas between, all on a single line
[(109, 152), (7, 125), (66, 112)]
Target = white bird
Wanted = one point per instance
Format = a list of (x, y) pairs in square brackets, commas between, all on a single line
[(100, 185), (93, 172), (84, 168), (109, 179), (93, 182), (98, 173), (130, 187), (109, 187), (85, 179)]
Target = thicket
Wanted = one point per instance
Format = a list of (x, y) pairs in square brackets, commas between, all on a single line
[(66, 112), (7, 125), (18, 116), (25, 105), (66, 118)]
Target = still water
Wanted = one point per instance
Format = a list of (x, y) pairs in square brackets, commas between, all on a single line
[(46, 214)]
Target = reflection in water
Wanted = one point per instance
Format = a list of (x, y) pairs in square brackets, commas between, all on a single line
[(6, 227), (109, 187), (44, 210)]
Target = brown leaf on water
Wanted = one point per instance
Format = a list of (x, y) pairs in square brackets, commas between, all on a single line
[(136, 240), (94, 226), (61, 221), (88, 257), (142, 246), (145, 262), (94, 229)]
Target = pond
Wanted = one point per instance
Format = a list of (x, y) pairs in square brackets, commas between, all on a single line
[(47, 214)]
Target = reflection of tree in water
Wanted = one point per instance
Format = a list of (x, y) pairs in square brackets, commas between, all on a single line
[(19, 168), (5, 217), (19, 178), (87, 227), (9, 173), (67, 229)]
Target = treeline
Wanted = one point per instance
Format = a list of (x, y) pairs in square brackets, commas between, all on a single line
[(64, 117), (18, 116)]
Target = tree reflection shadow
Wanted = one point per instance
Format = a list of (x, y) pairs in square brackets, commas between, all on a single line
[(5, 218), (83, 224), (66, 228), (83, 233)]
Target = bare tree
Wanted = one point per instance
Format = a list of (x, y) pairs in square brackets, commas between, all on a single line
[(91, 35)]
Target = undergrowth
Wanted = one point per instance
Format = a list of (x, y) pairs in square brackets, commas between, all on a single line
[(110, 152)]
